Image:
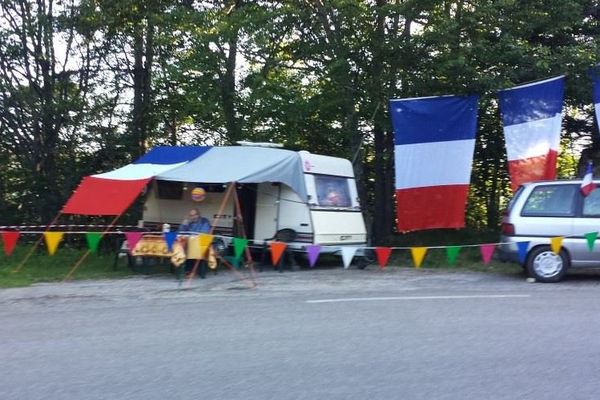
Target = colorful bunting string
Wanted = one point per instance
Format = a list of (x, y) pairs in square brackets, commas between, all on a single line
[(53, 238)]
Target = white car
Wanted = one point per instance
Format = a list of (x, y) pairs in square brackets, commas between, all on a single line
[(540, 211)]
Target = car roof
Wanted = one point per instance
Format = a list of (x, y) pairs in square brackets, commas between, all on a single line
[(556, 182)]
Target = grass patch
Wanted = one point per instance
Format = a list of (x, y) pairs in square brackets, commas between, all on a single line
[(42, 267)]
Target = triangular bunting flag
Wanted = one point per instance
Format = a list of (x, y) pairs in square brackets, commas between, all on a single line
[(522, 247), (591, 239), (92, 239), (10, 239), (52, 240), (239, 244), (313, 254), (418, 254), (132, 239), (348, 255), (556, 244), (205, 240), (277, 249), (487, 250), (383, 255), (452, 254), (170, 238)]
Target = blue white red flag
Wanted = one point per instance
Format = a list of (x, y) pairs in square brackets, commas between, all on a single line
[(597, 98), (588, 185), (532, 116), (434, 141)]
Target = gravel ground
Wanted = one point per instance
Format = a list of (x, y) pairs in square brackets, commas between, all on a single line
[(331, 282)]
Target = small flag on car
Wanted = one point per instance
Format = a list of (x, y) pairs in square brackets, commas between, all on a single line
[(587, 185)]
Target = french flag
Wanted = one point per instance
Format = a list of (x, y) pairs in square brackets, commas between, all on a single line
[(588, 185), (532, 116), (434, 140)]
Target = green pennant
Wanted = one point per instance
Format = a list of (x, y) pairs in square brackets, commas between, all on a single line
[(239, 245), (93, 238), (591, 239), (452, 254)]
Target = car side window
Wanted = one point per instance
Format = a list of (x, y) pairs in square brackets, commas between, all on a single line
[(591, 204), (550, 201)]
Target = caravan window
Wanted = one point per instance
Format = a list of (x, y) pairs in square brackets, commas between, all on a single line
[(332, 191)]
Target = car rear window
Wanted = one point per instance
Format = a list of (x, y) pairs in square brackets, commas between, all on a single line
[(591, 204), (550, 201)]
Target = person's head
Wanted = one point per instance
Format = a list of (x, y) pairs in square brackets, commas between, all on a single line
[(194, 214)]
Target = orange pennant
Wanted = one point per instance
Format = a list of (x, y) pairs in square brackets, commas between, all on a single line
[(277, 249)]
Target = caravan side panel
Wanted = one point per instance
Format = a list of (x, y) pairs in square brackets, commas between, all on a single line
[(339, 227)]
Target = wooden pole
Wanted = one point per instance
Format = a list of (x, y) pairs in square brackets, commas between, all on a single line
[(37, 243), (87, 253)]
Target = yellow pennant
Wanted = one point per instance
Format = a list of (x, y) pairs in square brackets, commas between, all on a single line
[(556, 244), (418, 254), (204, 239), (52, 240)]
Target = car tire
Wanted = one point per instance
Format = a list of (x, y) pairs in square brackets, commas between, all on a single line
[(546, 266)]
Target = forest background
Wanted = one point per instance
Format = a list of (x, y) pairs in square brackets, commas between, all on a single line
[(87, 86)]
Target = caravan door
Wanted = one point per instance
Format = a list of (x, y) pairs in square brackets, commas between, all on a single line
[(267, 206)]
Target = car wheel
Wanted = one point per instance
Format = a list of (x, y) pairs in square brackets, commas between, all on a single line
[(546, 266)]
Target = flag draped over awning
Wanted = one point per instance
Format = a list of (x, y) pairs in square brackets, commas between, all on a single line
[(532, 116), (434, 141), (112, 192)]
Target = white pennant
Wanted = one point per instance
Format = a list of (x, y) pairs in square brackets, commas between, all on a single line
[(348, 255)]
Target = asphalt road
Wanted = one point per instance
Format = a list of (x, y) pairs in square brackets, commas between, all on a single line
[(329, 334)]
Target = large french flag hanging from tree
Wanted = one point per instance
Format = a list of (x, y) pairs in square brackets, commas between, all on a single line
[(434, 141), (532, 116)]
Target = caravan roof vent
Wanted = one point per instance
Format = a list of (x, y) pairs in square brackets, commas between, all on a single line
[(259, 144)]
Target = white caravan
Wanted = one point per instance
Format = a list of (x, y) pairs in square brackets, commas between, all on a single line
[(298, 197)]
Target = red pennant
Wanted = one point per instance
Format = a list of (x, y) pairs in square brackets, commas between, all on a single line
[(10, 241), (383, 254), (277, 249)]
